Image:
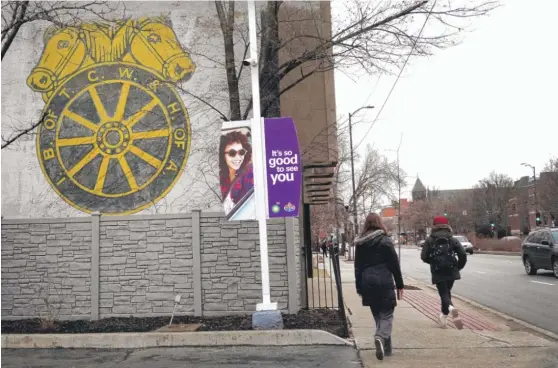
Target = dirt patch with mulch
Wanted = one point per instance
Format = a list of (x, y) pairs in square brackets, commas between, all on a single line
[(316, 319)]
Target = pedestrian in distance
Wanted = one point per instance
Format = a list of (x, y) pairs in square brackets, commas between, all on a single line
[(446, 258), (324, 248), (376, 267)]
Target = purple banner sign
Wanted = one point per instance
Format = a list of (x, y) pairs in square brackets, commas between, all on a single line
[(283, 165)]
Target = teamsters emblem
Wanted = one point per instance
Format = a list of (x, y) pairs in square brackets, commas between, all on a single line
[(115, 135)]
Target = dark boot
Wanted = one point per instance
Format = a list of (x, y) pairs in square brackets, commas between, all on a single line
[(388, 347), (380, 347)]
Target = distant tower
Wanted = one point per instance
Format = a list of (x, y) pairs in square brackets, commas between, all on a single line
[(419, 191)]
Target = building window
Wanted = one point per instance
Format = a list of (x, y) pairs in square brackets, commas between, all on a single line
[(514, 208)]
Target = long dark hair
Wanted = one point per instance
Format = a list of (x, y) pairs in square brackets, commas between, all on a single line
[(373, 222), (230, 138)]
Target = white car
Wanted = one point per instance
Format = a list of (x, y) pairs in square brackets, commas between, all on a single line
[(465, 243)]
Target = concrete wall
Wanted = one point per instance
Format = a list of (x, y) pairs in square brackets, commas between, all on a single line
[(29, 193), (97, 267)]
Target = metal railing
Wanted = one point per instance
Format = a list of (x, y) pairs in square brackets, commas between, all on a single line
[(324, 286)]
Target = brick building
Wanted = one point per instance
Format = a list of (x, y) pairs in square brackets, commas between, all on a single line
[(531, 197)]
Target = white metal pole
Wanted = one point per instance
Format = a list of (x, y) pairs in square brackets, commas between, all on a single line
[(259, 161)]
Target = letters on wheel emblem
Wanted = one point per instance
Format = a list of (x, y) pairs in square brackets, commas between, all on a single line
[(115, 135)]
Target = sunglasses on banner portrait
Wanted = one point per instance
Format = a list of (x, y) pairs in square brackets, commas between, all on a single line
[(233, 152)]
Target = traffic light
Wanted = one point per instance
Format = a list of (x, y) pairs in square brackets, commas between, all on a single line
[(538, 219)]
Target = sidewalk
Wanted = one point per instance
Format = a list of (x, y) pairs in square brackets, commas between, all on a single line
[(486, 341)]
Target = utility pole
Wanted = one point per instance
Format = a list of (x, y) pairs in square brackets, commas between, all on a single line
[(354, 201)]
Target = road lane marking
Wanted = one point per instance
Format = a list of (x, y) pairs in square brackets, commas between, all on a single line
[(480, 272), (543, 283)]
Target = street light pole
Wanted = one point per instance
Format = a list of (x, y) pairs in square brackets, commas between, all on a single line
[(399, 197), (355, 213), (399, 205), (534, 184), (353, 174), (535, 188)]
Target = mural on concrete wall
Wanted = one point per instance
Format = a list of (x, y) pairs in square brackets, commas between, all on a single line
[(115, 134)]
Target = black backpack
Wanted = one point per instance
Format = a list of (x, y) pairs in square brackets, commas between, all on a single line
[(443, 258)]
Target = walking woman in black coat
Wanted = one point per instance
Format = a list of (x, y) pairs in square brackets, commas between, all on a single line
[(376, 266)]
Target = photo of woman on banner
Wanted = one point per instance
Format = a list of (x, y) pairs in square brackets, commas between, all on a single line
[(236, 175)]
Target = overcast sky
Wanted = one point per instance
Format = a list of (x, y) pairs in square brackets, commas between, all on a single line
[(487, 104)]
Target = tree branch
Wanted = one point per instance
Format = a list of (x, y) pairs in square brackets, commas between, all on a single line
[(19, 14)]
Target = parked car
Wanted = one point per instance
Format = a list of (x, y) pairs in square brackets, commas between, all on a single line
[(421, 243), (540, 251), (465, 243)]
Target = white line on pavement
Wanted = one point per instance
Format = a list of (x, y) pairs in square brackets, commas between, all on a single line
[(480, 272), (543, 283)]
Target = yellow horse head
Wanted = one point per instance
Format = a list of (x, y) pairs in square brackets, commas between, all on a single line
[(156, 46), (63, 54)]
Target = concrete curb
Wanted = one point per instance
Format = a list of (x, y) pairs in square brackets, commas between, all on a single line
[(497, 253), (169, 339), (548, 334)]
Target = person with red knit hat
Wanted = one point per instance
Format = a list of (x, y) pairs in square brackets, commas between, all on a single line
[(446, 258)]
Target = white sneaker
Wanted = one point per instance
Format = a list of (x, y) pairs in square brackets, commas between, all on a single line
[(443, 320), (455, 317)]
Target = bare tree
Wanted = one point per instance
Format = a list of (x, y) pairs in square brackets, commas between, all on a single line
[(418, 216), (52, 299), (376, 181), (459, 209), (376, 37), (548, 188), (390, 225), (490, 199), (15, 14)]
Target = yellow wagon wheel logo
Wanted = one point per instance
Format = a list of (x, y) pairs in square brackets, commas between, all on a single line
[(115, 138)]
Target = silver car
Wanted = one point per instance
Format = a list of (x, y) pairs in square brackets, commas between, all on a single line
[(465, 243)]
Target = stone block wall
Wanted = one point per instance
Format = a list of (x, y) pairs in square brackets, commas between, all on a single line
[(46, 269), (97, 267), (231, 276), (144, 264)]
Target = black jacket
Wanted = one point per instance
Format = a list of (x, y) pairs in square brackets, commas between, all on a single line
[(376, 265), (444, 231)]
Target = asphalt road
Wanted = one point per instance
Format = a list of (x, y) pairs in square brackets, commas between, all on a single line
[(199, 357), (499, 282)]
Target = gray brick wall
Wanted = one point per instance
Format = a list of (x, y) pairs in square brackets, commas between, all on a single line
[(143, 263), (46, 270)]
